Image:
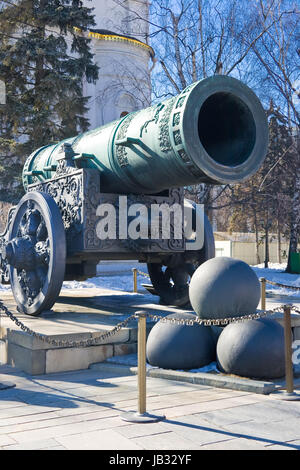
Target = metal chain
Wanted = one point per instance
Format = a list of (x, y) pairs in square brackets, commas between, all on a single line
[(273, 283), (180, 321), (215, 321), (294, 308), (65, 343), (143, 274)]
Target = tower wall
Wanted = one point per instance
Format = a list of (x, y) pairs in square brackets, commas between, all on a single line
[(118, 41)]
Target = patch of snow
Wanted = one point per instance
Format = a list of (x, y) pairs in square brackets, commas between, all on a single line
[(4, 287), (122, 281), (276, 273), (212, 367), (132, 361), (118, 277), (128, 360)]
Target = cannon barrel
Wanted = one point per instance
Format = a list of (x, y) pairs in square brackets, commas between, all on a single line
[(215, 131)]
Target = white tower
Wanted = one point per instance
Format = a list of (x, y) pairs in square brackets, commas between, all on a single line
[(119, 42)]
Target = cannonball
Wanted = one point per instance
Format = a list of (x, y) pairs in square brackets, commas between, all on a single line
[(179, 346), (224, 287), (253, 349)]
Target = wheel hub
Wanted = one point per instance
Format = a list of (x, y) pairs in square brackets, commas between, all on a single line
[(19, 253)]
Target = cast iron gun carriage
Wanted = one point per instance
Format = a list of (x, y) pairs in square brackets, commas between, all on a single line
[(214, 132)]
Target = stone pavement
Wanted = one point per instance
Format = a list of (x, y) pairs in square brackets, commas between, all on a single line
[(81, 410)]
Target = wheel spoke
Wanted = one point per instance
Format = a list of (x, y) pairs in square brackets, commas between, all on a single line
[(30, 284), (33, 221), (41, 233), (22, 228), (42, 252)]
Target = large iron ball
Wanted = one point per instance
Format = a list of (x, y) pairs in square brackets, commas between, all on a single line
[(224, 287), (253, 349), (179, 346)]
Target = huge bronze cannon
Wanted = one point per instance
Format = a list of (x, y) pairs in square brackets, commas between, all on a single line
[(215, 132)]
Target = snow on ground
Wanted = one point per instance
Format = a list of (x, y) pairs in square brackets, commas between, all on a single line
[(114, 276), (118, 276), (131, 360), (121, 282), (276, 273)]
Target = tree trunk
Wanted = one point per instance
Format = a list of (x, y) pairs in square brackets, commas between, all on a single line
[(279, 243), (295, 218), (267, 225), (267, 257), (256, 238)]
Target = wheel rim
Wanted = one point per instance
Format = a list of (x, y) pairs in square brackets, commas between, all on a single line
[(36, 253)]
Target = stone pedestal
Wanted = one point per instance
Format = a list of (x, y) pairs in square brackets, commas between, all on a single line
[(77, 316)]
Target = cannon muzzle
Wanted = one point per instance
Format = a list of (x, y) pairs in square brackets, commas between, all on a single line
[(215, 132)]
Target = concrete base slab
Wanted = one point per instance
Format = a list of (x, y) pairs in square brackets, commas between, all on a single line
[(127, 365)]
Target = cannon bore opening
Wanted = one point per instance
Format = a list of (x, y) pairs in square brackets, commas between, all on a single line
[(226, 129)]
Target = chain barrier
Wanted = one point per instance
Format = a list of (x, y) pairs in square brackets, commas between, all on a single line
[(294, 309), (135, 272), (216, 321), (66, 343), (273, 283), (142, 273), (123, 324)]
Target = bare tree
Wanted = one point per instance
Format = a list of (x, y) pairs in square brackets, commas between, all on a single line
[(278, 59), (194, 39), (255, 41), (134, 81)]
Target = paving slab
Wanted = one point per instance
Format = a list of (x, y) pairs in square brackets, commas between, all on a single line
[(81, 409), (6, 441), (36, 445), (235, 444), (98, 440), (271, 432), (138, 430), (199, 434), (165, 441), (74, 419), (127, 364)]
